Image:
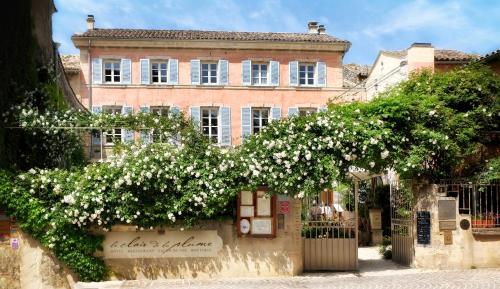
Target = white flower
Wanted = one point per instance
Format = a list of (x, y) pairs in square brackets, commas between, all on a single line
[(372, 164), (384, 154), (432, 112)]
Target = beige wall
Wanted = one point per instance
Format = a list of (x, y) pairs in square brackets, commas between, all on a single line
[(239, 257), (467, 250), (386, 72)]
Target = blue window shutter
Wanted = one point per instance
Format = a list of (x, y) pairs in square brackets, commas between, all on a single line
[(173, 67), (127, 135), (323, 108), (126, 71), (275, 113), (293, 67), (195, 115), (321, 70), (223, 72), (293, 111), (96, 135), (145, 133), (246, 72), (195, 71), (96, 70), (144, 71), (225, 129), (174, 110), (246, 122), (275, 73)]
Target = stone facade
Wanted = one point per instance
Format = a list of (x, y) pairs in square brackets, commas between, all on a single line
[(467, 249)]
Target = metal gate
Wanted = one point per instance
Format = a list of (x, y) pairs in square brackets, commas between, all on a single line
[(329, 231), (402, 205)]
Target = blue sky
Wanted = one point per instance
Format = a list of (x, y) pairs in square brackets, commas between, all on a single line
[(370, 25)]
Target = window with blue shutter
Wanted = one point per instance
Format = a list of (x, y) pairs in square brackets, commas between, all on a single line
[(275, 113), (323, 108), (144, 71), (293, 111), (321, 80), (175, 110), (293, 67), (225, 126), (246, 122), (173, 67), (195, 71), (128, 135), (126, 71), (194, 112), (223, 72), (246, 72), (96, 70), (96, 134), (146, 136), (275, 73)]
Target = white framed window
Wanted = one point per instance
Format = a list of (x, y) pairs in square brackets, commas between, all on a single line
[(305, 111), (209, 73), (112, 71), (259, 73), (157, 135), (306, 73), (210, 123), (115, 134), (159, 71), (260, 118)]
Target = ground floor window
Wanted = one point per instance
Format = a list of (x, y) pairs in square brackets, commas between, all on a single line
[(113, 135), (260, 118), (305, 111), (210, 123)]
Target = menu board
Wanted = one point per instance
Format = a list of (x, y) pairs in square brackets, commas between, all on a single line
[(247, 211), (264, 206), (246, 198), (262, 226), (256, 214), (423, 227)]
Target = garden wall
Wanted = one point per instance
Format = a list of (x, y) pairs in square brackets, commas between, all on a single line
[(239, 256), (466, 250)]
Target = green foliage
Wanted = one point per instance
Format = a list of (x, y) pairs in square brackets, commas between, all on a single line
[(386, 248), (423, 127)]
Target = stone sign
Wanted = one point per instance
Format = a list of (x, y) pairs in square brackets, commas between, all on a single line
[(171, 244)]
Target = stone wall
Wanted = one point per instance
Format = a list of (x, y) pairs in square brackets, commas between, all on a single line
[(466, 251), (239, 257)]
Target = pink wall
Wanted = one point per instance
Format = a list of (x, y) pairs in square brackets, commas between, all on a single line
[(235, 95)]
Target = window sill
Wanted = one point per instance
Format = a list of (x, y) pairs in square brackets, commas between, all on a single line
[(486, 231)]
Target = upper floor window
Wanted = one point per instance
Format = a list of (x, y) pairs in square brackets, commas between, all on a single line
[(260, 118), (305, 111), (112, 71), (210, 123), (159, 70), (306, 73), (115, 134), (209, 73), (259, 73)]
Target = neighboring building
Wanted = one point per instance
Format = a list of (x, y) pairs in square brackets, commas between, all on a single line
[(71, 64), (492, 60), (233, 83), (392, 67), (355, 74)]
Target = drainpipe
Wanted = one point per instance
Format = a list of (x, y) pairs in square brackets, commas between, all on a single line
[(89, 79)]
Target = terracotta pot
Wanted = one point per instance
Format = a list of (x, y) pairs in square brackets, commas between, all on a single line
[(477, 223)]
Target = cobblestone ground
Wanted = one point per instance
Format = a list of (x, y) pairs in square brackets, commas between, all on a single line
[(373, 273)]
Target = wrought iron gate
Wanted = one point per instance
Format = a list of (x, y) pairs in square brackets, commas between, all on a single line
[(329, 231), (402, 235)]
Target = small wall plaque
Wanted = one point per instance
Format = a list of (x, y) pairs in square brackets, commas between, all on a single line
[(447, 214), (448, 237)]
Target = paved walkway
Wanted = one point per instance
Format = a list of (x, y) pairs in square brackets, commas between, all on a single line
[(374, 273)]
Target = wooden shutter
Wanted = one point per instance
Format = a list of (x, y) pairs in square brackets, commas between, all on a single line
[(275, 113), (293, 67), (275, 73), (173, 67), (145, 71), (174, 110), (96, 134), (126, 65), (96, 70), (194, 112), (223, 72), (246, 122), (225, 127), (321, 71), (293, 111), (195, 71), (246, 72), (127, 135), (175, 140), (146, 136)]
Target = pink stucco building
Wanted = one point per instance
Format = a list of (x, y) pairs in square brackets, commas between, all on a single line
[(231, 83)]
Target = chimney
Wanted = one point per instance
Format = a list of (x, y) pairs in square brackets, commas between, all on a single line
[(420, 55), (321, 29), (313, 27), (90, 22)]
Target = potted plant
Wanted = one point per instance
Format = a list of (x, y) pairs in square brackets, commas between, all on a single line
[(477, 221)]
